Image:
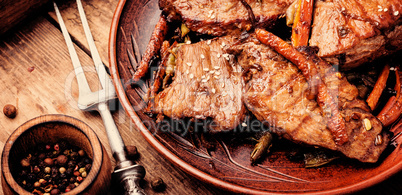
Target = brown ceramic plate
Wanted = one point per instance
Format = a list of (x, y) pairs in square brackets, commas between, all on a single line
[(228, 165)]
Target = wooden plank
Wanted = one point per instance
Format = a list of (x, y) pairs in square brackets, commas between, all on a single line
[(51, 89), (99, 14)]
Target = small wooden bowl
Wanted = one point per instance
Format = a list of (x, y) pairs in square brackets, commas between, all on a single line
[(51, 129)]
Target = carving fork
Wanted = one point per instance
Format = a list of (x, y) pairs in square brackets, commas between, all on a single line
[(126, 174)]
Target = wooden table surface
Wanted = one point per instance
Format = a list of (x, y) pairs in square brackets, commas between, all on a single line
[(36, 75)]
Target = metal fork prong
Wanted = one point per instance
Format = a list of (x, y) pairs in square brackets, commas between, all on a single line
[(100, 67), (83, 86)]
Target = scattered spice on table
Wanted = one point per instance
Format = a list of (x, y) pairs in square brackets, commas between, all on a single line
[(10, 111)]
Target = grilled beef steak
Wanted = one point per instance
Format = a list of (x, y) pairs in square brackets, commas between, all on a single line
[(220, 17), (206, 85), (352, 32), (276, 92)]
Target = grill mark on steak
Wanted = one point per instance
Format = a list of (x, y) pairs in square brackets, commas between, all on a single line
[(361, 30), (220, 17), (297, 118), (206, 85)]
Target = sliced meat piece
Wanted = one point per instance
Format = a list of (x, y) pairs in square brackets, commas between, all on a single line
[(352, 32), (220, 17), (206, 85), (277, 94)]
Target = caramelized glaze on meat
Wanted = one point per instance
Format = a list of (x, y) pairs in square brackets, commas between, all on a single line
[(277, 94), (352, 32), (206, 85), (220, 17)]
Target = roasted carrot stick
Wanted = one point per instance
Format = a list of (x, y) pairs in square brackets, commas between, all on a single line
[(336, 123), (156, 85), (379, 87), (393, 109), (302, 23), (155, 43)]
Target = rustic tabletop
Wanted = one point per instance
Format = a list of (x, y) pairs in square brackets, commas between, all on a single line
[(37, 77)]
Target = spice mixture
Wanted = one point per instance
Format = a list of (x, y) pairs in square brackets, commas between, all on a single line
[(53, 168)]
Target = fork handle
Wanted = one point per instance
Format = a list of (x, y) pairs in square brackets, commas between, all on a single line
[(115, 141), (128, 180)]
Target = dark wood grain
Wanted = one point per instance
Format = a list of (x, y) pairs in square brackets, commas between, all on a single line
[(14, 11), (37, 77)]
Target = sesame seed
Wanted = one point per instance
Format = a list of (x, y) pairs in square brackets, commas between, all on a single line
[(187, 72), (244, 124), (223, 85), (203, 77), (216, 67), (213, 90), (218, 55), (211, 11), (218, 73), (191, 76), (308, 1), (216, 77), (202, 56), (206, 69), (380, 10), (396, 13), (212, 16), (188, 64), (392, 68), (385, 9), (204, 80), (223, 44), (209, 41), (343, 9), (188, 42), (212, 72), (226, 56), (379, 6), (367, 124)]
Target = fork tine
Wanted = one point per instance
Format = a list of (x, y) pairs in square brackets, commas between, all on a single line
[(83, 86), (100, 67)]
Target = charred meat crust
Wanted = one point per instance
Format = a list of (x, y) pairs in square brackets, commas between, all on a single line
[(277, 95)]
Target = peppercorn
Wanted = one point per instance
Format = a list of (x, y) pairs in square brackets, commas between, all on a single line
[(55, 191), (81, 170), (10, 111), (62, 170), (48, 161), (62, 160), (132, 151), (158, 184), (42, 181), (36, 169), (81, 153), (25, 162), (37, 184), (77, 173), (48, 169), (42, 156)]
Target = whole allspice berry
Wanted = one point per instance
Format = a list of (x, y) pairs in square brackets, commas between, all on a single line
[(10, 111), (62, 159), (158, 185), (132, 151)]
